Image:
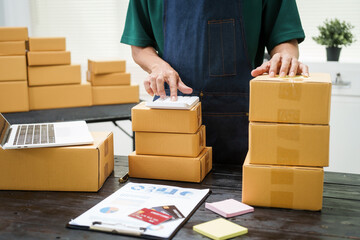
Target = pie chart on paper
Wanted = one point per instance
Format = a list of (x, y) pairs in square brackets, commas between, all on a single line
[(109, 210)]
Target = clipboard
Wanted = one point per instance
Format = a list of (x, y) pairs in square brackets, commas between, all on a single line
[(120, 228)]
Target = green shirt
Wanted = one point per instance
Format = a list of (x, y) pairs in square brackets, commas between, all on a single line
[(267, 23)]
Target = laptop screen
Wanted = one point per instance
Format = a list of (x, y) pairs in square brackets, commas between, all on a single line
[(4, 126)]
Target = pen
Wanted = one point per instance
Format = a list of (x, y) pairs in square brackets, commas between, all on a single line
[(135, 231)]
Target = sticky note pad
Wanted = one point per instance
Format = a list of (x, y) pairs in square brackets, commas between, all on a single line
[(220, 229), (229, 208)]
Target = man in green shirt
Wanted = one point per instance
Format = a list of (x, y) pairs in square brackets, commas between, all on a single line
[(212, 49)]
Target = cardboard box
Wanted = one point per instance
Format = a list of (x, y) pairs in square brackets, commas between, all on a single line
[(282, 186), (145, 119), (171, 168), (47, 44), (48, 58), (106, 66), (12, 48), (78, 168), (289, 144), (54, 75), (13, 68), (13, 34), (171, 144), (291, 100), (14, 96), (108, 79), (115, 94), (60, 96)]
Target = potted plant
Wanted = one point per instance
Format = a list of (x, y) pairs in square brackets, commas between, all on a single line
[(334, 34)]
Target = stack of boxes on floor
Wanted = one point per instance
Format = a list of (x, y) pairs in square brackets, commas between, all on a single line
[(53, 81), (169, 144), (111, 83), (13, 78), (288, 142)]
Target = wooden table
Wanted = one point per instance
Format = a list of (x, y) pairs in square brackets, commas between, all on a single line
[(43, 215)]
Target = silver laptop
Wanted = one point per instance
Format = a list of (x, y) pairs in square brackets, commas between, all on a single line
[(43, 134)]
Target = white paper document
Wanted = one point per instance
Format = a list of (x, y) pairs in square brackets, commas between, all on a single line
[(112, 214)]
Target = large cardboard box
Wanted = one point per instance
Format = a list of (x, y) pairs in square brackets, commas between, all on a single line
[(48, 58), (78, 168), (171, 144), (289, 144), (115, 94), (54, 75), (60, 96), (291, 100), (47, 44), (108, 79), (13, 34), (13, 68), (14, 96), (106, 66), (146, 119), (12, 48), (171, 168), (282, 186)]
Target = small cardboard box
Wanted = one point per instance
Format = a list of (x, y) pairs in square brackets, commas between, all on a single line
[(77, 168), (291, 100), (54, 75), (47, 44), (103, 95), (13, 34), (282, 186), (12, 48), (48, 58), (110, 66), (289, 144), (171, 144), (13, 68), (171, 168), (14, 96), (108, 79), (145, 119), (60, 96)]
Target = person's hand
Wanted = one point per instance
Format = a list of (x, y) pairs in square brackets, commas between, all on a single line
[(161, 73), (282, 65)]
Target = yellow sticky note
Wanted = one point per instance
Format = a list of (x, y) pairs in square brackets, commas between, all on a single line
[(220, 229)]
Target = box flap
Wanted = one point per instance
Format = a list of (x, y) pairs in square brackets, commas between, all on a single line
[(313, 78)]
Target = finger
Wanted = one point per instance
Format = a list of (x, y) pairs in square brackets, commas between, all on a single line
[(303, 69), (160, 86), (183, 88), (285, 64), (264, 68), (173, 86), (294, 67), (147, 86), (153, 85), (274, 65)]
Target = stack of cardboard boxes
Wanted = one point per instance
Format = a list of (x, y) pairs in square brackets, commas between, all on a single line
[(53, 81), (169, 144), (288, 142), (111, 83), (13, 78)]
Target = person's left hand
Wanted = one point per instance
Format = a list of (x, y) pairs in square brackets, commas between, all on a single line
[(282, 65)]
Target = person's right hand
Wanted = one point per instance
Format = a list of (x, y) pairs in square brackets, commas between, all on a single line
[(161, 73)]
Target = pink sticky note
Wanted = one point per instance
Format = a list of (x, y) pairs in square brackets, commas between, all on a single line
[(229, 208)]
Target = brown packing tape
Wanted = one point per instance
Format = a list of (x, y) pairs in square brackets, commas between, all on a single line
[(281, 199), (106, 151), (286, 156), (290, 91), (283, 176), (288, 132), (199, 115), (202, 137), (288, 115), (106, 169)]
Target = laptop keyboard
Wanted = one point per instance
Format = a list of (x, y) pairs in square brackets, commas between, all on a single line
[(35, 134)]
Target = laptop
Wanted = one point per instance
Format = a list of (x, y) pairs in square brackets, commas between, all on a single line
[(39, 135), (182, 103)]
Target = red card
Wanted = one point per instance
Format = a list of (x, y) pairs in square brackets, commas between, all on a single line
[(150, 216)]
